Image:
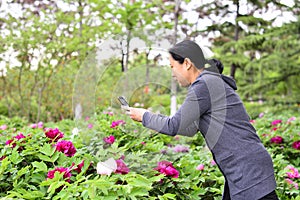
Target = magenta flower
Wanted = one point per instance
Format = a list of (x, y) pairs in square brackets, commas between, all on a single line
[(200, 167), (117, 123), (181, 148), (12, 141), (79, 166), (276, 121), (65, 171), (90, 126), (33, 126), (296, 145), (290, 182), (109, 140), (167, 168), (53, 134), (121, 167), (3, 127), (276, 140), (252, 121), (66, 147), (293, 173)]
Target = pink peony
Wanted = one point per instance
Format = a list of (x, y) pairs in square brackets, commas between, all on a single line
[(293, 173), (66, 147), (181, 148), (212, 162), (261, 115), (252, 121), (276, 140), (291, 119), (33, 126), (12, 141), (166, 168), (296, 145), (276, 121), (290, 182), (3, 127), (90, 126), (200, 167), (53, 134), (65, 171), (121, 167), (40, 125), (117, 123), (109, 140)]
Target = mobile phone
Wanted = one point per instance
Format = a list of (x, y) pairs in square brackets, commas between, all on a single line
[(123, 101)]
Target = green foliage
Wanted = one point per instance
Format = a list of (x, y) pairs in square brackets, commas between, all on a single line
[(24, 168)]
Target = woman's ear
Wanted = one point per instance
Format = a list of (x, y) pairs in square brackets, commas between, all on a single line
[(188, 63)]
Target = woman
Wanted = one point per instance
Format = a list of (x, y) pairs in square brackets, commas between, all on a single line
[(213, 108)]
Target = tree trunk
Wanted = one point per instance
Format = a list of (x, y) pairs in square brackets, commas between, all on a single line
[(236, 38), (173, 107)]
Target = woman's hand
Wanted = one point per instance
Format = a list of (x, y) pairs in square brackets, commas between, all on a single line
[(135, 113)]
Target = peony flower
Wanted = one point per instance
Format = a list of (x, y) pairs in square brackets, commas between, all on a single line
[(3, 127), (293, 173), (65, 171), (12, 141), (79, 166), (290, 182), (261, 115), (252, 121), (180, 148), (166, 168), (291, 119), (121, 167), (53, 134), (108, 113), (117, 123), (200, 167), (40, 125), (109, 140), (66, 147), (107, 167), (212, 162), (275, 122), (90, 126), (296, 145), (276, 140)]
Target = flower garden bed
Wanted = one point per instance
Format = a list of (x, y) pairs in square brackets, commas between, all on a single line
[(108, 157)]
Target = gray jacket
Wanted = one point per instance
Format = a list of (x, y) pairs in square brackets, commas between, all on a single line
[(213, 108)]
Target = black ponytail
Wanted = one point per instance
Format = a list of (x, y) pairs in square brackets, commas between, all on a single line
[(216, 63)]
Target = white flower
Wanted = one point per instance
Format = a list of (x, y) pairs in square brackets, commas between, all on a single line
[(106, 167)]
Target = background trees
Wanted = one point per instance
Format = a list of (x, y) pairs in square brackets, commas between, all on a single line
[(45, 43)]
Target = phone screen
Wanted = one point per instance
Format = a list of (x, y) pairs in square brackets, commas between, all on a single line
[(123, 101)]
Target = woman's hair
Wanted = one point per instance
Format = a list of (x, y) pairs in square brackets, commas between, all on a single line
[(217, 63), (212, 62), (177, 57)]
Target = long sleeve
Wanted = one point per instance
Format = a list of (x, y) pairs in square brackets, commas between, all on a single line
[(185, 121)]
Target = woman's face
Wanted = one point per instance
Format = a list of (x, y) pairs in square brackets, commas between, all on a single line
[(179, 72)]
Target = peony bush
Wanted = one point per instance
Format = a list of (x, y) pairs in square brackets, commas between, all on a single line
[(111, 157)]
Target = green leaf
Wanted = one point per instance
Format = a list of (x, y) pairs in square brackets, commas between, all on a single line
[(4, 165), (44, 158), (22, 171), (15, 157), (40, 166), (47, 149)]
